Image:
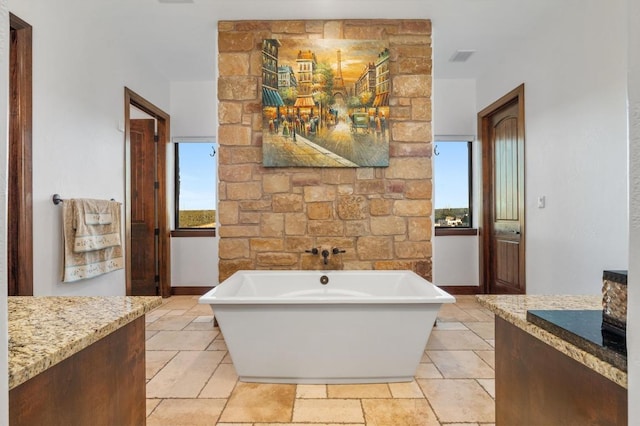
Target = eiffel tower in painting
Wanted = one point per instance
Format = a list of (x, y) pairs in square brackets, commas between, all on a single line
[(338, 82)]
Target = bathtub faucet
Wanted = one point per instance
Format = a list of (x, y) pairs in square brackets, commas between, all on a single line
[(325, 256)]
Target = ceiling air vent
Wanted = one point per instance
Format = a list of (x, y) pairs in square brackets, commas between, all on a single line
[(461, 55)]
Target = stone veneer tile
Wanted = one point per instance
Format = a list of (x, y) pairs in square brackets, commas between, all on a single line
[(185, 375), (217, 382), (192, 412), (350, 193), (180, 303), (217, 345), (327, 411), (466, 424), (458, 400), (451, 312), (427, 371), (152, 404), (311, 391), (257, 402), (300, 424), (489, 385), (399, 412), (406, 390), (453, 325), (200, 326), (376, 390), (222, 382), (176, 312), (150, 319), (170, 322), (155, 314), (486, 330), (204, 318), (155, 360), (461, 365), (480, 314), (240, 424), (489, 357), (200, 310), (183, 340), (227, 359), (456, 340)]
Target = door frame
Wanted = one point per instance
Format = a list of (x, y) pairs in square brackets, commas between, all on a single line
[(486, 192), (20, 204), (164, 246)]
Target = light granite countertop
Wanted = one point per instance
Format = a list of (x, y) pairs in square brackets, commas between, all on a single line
[(514, 309), (46, 330)]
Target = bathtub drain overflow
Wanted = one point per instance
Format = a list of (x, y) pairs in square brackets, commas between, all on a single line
[(324, 279)]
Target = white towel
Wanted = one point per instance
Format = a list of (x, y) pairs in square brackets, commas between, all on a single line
[(94, 225), (97, 218), (80, 265)]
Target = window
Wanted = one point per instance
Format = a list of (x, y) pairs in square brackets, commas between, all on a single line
[(452, 184), (195, 184)]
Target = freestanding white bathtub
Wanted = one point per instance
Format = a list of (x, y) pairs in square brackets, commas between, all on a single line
[(359, 327)]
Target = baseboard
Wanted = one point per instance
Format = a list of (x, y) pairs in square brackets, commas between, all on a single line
[(461, 289), (189, 291)]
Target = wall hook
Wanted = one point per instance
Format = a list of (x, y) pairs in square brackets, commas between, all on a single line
[(213, 152), (435, 150)]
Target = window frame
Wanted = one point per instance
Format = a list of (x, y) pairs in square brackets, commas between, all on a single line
[(184, 231), (458, 230)]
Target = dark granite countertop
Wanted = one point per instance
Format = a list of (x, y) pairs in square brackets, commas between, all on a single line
[(616, 276), (583, 328), (514, 308)]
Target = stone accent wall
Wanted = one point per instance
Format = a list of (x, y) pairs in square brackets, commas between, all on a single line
[(268, 217)]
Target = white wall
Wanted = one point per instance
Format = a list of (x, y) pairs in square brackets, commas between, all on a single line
[(4, 135), (80, 69), (633, 320), (194, 106), (455, 258), (194, 261), (454, 106), (576, 151)]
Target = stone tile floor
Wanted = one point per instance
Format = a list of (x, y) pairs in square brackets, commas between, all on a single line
[(191, 379)]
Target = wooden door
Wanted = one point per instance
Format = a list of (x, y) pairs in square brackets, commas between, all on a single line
[(502, 134), (161, 250), (19, 206), (143, 208)]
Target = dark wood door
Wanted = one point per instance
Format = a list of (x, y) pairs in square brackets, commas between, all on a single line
[(19, 206), (503, 207), (143, 208)]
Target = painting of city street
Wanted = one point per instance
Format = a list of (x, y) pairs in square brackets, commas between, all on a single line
[(325, 103)]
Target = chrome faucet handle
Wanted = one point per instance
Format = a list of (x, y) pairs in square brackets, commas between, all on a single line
[(312, 251), (336, 250)]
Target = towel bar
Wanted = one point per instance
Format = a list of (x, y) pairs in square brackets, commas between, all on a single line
[(57, 199)]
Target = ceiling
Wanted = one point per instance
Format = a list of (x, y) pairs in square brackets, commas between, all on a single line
[(179, 39)]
